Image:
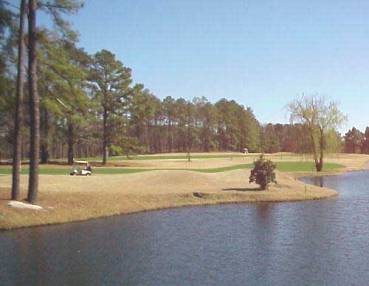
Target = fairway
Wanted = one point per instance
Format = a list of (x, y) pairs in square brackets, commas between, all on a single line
[(281, 166), (167, 157), (305, 166), (177, 157)]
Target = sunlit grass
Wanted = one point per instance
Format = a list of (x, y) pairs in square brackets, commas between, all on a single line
[(281, 166), (224, 169), (305, 166), (166, 157)]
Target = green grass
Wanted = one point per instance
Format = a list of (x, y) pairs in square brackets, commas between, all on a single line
[(281, 166), (164, 157), (305, 166), (45, 170), (224, 169)]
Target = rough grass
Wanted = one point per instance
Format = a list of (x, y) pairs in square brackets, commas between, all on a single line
[(281, 166), (67, 198), (155, 184)]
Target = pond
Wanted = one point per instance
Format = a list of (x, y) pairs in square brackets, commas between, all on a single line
[(307, 243)]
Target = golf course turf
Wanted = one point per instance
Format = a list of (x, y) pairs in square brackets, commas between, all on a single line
[(281, 166)]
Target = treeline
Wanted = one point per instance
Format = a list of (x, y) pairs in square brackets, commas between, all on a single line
[(179, 125), (148, 125), (90, 106), (356, 141), (295, 138)]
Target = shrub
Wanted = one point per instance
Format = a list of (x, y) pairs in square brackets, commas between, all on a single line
[(263, 173)]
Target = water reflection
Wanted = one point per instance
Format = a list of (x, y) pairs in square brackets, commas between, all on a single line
[(264, 211), (318, 181)]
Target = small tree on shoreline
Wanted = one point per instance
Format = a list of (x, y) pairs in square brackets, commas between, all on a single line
[(320, 118), (263, 173)]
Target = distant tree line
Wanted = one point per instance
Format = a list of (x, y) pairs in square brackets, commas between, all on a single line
[(294, 138), (90, 106), (82, 105), (356, 141)]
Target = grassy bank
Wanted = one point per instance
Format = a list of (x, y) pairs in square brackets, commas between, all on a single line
[(156, 184), (67, 199)]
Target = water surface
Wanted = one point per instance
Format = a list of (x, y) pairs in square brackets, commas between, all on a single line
[(307, 243)]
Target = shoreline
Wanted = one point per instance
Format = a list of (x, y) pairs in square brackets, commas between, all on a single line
[(75, 206), (204, 204)]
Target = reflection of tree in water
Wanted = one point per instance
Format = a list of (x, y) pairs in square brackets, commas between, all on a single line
[(264, 211), (319, 181)]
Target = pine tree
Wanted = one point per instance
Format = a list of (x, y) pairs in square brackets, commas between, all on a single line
[(33, 103), (110, 81)]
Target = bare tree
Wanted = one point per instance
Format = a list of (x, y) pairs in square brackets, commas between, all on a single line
[(320, 118), (17, 143)]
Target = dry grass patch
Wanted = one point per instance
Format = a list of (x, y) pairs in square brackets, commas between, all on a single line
[(67, 199)]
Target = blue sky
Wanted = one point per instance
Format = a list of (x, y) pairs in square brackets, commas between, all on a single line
[(260, 53)]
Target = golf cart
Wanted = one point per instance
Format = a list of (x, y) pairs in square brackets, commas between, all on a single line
[(81, 168)]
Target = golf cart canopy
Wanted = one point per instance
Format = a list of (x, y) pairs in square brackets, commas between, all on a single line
[(81, 168)]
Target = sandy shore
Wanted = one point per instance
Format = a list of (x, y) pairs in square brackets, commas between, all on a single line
[(67, 199)]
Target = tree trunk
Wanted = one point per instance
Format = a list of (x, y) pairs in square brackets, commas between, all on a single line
[(17, 151), (170, 136), (154, 135), (313, 149), (45, 139), (322, 147), (33, 104), (188, 143), (105, 136), (70, 143), (147, 136)]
